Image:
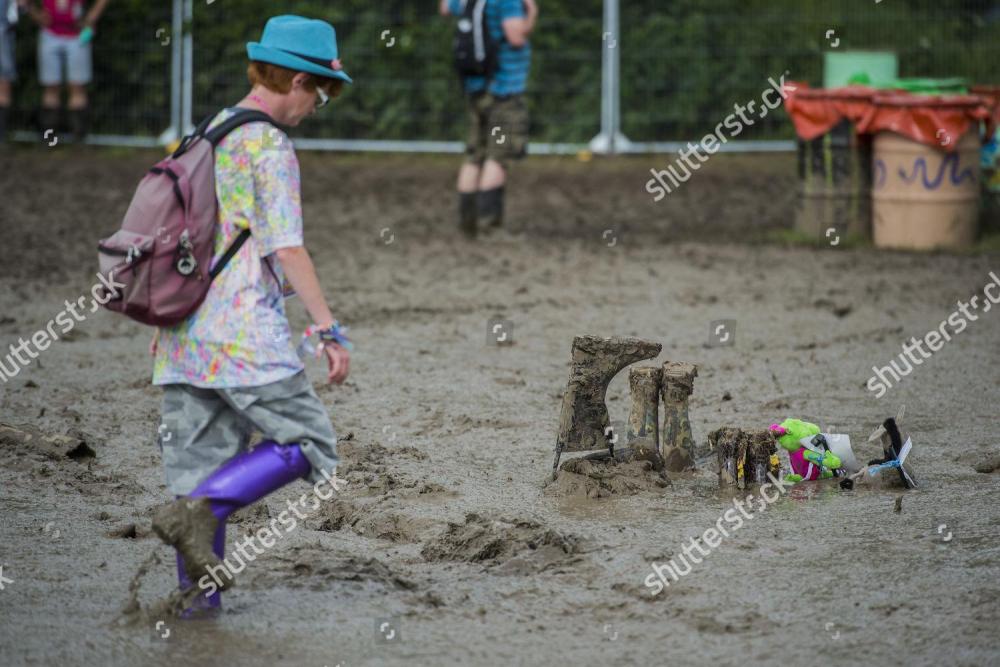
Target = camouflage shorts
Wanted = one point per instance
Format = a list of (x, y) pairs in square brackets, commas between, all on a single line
[(203, 428), (498, 128)]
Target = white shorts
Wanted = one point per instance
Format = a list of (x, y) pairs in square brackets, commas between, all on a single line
[(58, 55)]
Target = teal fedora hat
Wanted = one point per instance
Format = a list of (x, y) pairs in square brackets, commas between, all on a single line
[(300, 44)]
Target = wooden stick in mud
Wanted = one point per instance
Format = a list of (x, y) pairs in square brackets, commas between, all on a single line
[(678, 442), (644, 389)]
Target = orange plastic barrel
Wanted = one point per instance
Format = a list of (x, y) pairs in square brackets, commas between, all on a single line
[(923, 196)]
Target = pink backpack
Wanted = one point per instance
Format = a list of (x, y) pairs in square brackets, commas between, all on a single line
[(163, 251)]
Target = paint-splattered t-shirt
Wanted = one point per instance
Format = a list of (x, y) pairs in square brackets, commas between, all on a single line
[(239, 336)]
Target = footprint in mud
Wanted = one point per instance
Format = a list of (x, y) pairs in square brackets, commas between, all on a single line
[(510, 546), (305, 566)]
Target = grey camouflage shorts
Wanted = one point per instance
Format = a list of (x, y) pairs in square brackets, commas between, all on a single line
[(203, 428)]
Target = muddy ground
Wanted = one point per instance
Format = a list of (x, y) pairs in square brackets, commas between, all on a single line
[(448, 529)]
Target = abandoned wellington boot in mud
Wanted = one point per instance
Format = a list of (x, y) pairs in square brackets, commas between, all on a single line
[(188, 525), (583, 419)]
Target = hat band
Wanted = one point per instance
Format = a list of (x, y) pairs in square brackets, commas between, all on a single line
[(316, 61)]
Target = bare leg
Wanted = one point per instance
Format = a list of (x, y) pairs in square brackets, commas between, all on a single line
[(50, 97), (468, 177), (77, 96), (493, 176), (4, 108)]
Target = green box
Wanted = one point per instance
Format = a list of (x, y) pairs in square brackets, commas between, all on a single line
[(872, 68)]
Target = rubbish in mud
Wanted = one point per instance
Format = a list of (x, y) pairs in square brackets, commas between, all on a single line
[(678, 442), (745, 457), (810, 453), (896, 448), (584, 420)]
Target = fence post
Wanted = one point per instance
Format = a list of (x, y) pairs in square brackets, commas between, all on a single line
[(187, 91), (173, 133), (610, 140)]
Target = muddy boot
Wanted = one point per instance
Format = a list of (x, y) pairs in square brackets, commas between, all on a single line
[(48, 119), (678, 442), (79, 124), (644, 390), (467, 214), (489, 205), (583, 419), (206, 604), (241, 481), (188, 525)]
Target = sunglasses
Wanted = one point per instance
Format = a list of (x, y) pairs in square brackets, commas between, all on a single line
[(324, 99)]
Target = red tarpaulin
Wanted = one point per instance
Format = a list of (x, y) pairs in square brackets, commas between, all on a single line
[(816, 111), (931, 120)]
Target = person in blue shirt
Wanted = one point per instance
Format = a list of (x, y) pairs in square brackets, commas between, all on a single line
[(498, 117)]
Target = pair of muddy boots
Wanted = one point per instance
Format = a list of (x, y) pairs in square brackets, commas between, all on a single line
[(79, 123), (195, 524), (481, 210)]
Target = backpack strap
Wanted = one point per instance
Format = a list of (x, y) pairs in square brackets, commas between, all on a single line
[(216, 135), (241, 117), (228, 255)]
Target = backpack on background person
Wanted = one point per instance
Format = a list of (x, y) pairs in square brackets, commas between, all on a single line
[(474, 47)]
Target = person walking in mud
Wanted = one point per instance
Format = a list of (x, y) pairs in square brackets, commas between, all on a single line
[(230, 368), (493, 56)]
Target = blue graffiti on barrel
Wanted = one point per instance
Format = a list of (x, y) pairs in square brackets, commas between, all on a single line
[(956, 177), (880, 172)]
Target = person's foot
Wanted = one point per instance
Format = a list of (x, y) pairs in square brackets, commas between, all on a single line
[(188, 525)]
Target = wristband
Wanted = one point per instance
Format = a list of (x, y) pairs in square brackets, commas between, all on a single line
[(335, 333)]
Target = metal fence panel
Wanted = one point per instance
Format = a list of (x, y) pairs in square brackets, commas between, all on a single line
[(399, 55), (132, 59), (683, 65)]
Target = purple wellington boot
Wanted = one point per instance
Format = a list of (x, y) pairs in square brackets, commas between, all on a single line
[(192, 523), (204, 604)]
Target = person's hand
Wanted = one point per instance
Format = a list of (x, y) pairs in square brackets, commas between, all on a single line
[(338, 359), (153, 344)]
